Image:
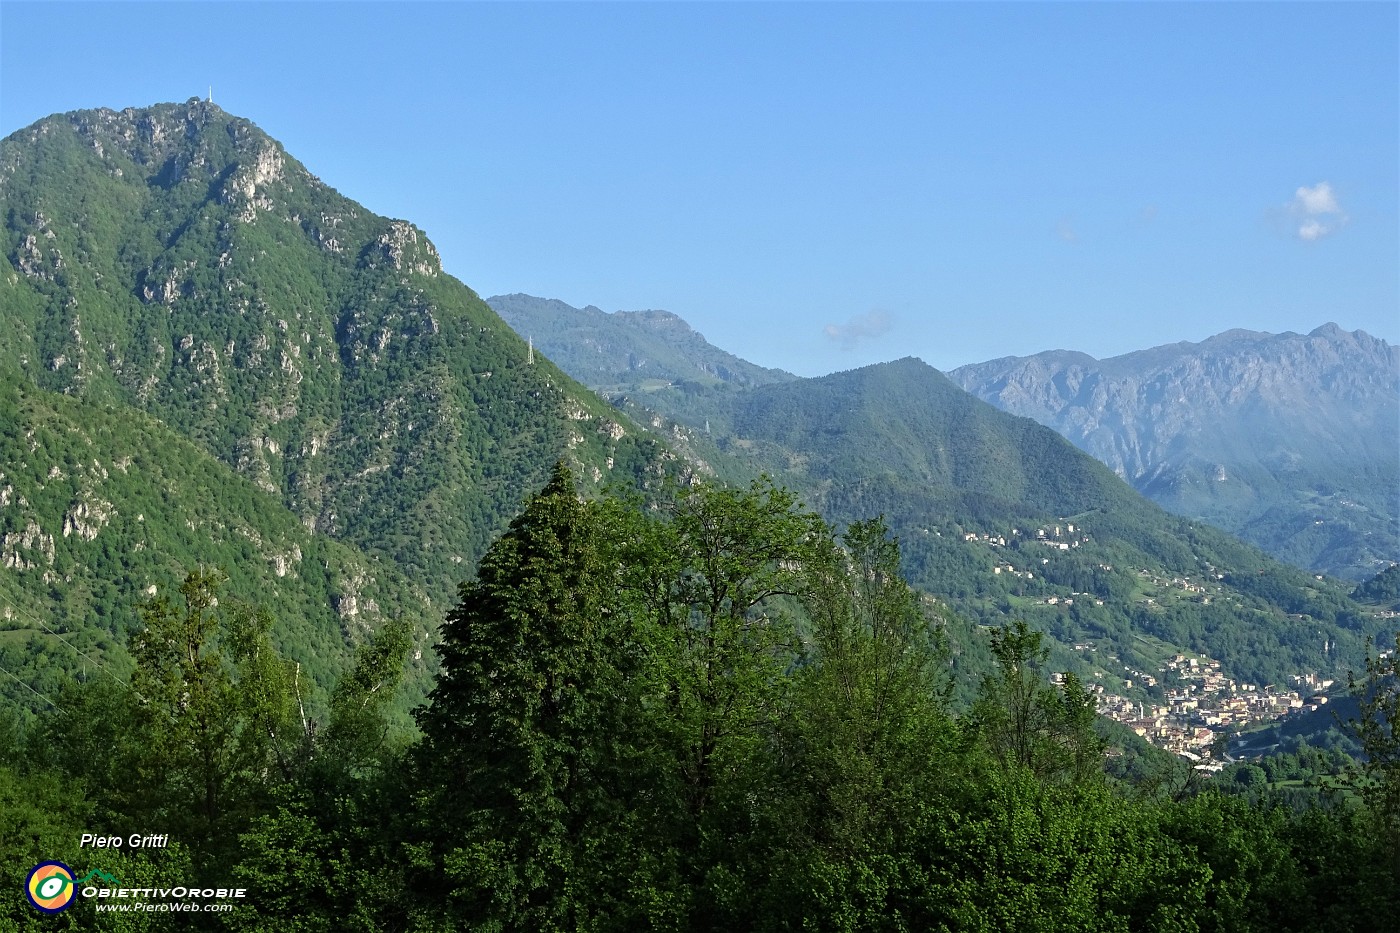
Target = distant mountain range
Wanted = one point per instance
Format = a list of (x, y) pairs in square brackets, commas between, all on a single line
[(998, 515), (1002, 517), (1291, 442)]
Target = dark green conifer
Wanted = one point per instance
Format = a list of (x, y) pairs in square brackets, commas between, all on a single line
[(515, 731)]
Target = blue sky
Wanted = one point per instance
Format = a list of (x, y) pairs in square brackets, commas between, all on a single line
[(820, 186)]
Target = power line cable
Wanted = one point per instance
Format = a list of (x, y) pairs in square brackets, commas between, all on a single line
[(79, 651), (85, 655), (26, 686)]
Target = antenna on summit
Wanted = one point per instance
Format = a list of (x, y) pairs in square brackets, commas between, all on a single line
[(211, 93)]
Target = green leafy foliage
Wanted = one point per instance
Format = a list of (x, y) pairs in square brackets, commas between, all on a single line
[(844, 795), (1029, 726), (1383, 588), (526, 702), (1378, 693)]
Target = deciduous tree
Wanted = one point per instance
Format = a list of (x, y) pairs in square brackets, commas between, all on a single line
[(1025, 722)]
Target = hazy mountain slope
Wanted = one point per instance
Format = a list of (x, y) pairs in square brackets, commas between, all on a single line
[(1303, 430), (1002, 516), (905, 420), (623, 350), (176, 258), (100, 505), (653, 357), (1290, 441)]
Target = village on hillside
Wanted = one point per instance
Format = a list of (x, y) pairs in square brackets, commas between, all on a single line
[(1202, 705)]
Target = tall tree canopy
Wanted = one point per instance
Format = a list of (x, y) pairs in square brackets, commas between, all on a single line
[(519, 729)]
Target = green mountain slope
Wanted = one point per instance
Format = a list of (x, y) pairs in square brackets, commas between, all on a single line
[(177, 259), (652, 356), (102, 507)]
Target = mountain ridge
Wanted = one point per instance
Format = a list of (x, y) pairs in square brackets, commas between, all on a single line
[(620, 349)]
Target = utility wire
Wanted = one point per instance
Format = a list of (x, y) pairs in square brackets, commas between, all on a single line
[(32, 690), (95, 663), (84, 654)]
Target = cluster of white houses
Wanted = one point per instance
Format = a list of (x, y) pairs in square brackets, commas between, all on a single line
[(1204, 705), (1055, 537)]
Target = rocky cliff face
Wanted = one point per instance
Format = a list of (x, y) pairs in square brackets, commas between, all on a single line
[(1291, 441)]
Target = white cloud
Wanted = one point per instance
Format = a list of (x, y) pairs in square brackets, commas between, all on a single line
[(1312, 230), (1315, 213), (861, 327), (1318, 199)]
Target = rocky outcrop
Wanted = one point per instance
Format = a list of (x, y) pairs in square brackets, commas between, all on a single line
[(86, 517), (406, 249), (27, 548)]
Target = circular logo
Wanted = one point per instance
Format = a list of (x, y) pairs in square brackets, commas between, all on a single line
[(50, 887)]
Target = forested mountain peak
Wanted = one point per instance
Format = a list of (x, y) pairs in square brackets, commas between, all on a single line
[(907, 420), (178, 259), (167, 144), (202, 157)]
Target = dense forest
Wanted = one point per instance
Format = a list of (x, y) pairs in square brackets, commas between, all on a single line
[(700, 711)]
